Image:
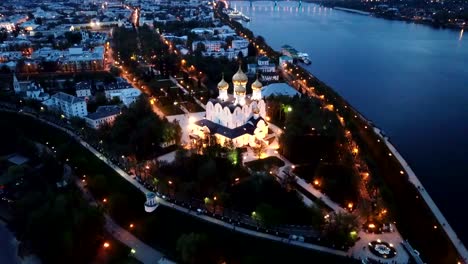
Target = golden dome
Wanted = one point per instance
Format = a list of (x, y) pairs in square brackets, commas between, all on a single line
[(239, 77), (239, 89), (257, 85), (223, 85)]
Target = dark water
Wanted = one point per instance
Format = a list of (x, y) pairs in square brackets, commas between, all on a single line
[(7, 250), (410, 80)]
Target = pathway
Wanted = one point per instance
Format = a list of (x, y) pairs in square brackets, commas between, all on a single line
[(143, 252)]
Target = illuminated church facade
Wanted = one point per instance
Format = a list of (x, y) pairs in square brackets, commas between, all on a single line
[(238, 117)]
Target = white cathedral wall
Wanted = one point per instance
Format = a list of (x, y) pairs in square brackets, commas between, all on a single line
[(262, 107)]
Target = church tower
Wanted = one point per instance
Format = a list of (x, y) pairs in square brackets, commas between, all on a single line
[(240, 82), (222, 88), (257, 90)]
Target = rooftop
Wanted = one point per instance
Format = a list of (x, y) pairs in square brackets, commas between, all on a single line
[(104, 111), (67, 98), (215, 128)]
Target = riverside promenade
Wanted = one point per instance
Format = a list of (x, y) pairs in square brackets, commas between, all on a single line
[(427, 198)]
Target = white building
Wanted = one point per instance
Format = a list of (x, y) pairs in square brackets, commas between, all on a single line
[(83, 89), (103, 115), (237, 117), (123, 90), (78, 59), (265, 68), (69, 105), (29, 90)]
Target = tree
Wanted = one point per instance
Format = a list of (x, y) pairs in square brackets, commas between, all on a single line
[(4, 69), (115, 71), (259, 148), (339, 227), (49, 66), (267, 214), (193, 248), (200, 47), (73, 37)]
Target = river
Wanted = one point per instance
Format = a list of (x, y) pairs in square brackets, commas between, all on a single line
[(411, 80), (8, 246)]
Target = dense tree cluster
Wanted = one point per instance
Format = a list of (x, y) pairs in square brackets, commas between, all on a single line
[(139, 131), (51, 222)]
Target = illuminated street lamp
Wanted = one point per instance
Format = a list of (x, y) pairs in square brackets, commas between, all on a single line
[(106, 245)]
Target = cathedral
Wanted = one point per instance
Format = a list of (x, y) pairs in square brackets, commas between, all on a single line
[(238, 117)]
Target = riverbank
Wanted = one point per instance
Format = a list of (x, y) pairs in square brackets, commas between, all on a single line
[(367, 8), (352, 10)]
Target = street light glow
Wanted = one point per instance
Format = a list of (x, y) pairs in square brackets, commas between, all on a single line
[(106, 245)]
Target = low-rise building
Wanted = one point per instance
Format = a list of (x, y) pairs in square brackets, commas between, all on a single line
[(103, 115), (83, 89), (69, 105), (29, 90), (123, 90), (265, 68)]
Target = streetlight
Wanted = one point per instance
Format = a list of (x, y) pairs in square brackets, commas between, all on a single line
[(106, 245)]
